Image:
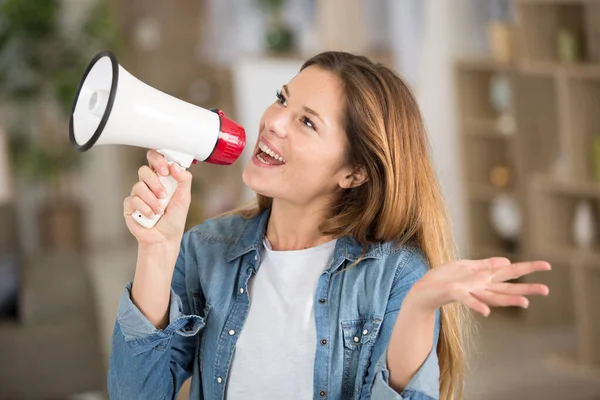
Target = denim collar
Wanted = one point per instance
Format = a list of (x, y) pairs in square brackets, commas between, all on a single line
[(252, 237)]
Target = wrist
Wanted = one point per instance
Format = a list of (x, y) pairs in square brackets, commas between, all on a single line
[(158, 250), (159, 256), (416, 305)]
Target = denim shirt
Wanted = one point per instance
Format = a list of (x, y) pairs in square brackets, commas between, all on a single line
[(355, 312)]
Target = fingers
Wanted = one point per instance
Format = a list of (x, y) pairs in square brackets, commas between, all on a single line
[(514, 271), (133, 203), (520, 289), (474, 303), (142, 191), (500, 300), (183, 177), (149, 178), (157, 162), (492, 263)]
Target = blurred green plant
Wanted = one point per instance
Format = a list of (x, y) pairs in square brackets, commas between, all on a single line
[(271, 5), (279, 38), (38, 162), (42, 57)]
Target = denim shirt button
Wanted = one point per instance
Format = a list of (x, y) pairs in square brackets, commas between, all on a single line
[(242, 290), (220, 380), (356, 339), (322, 301), (323, 393), (323, 342), (231, 332), (365, 332)]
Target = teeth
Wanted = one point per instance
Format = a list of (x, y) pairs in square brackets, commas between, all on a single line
[(262, 160), (270, 152)]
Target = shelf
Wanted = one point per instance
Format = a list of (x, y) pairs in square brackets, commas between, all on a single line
[(553, 208), (484, 65), (568, 188), (555, 101), (555, 69), (484, 128), (483, 154), (583, 125), (474, 92), (542, 22), (570, 254), (482, 235), (485, 192), (537, 114)]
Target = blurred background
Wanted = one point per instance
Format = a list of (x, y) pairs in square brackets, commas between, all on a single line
[(510, 92)]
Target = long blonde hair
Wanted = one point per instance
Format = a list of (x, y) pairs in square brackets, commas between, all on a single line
[(401, 200)]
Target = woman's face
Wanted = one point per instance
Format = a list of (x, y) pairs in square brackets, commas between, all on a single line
[(302, 129)]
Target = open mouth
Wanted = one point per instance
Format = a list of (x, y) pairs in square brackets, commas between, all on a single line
[(268, 156)]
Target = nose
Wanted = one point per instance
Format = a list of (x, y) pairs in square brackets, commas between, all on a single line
[(278, 123)]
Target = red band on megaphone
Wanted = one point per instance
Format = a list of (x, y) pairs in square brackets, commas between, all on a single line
[(230, 144)]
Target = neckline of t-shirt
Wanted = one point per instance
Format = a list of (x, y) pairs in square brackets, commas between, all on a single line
[(327, 246)]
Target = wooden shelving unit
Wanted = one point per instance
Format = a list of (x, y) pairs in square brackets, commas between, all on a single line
[(556, 108)]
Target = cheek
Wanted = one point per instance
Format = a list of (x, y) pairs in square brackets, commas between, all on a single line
[(322, 164)]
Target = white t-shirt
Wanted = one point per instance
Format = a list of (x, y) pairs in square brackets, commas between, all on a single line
[(275, 353)]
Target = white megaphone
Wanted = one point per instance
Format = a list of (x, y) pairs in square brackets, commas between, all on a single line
[(113, 107)]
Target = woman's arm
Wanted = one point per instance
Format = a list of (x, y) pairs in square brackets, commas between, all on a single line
[(151, 288), (478, 284), (423, 382), (405, 356), (147, 361), (411, 342)]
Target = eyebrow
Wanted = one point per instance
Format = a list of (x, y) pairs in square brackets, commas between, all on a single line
[(308, 110)]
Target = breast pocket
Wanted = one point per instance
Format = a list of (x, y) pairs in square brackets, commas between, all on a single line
[(359, 339)]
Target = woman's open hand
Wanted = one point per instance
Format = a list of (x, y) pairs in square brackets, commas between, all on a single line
[(478, 284)]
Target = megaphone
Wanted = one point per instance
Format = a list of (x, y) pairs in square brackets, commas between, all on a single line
[(111, 106)]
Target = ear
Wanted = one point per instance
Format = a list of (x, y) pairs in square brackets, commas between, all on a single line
[(354, 178)]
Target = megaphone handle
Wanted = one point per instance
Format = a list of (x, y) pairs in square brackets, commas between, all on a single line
[(170, 185)]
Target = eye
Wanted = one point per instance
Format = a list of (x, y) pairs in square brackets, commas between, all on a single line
[(306, 121), (280, 98)]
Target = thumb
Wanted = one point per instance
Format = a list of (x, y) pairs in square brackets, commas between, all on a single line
[(183, 177)]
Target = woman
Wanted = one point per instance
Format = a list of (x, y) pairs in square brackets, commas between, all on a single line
[(324, 289)]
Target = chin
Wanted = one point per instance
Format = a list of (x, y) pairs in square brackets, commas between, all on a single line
[(261, 184), (254, 181)]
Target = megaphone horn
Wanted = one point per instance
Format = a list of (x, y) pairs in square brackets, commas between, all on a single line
[(111, 106)]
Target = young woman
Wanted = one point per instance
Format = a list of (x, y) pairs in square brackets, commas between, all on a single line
[(341, 283)]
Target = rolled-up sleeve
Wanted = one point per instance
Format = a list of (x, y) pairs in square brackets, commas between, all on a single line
[(147, 362), (424, 385), (139, 333)]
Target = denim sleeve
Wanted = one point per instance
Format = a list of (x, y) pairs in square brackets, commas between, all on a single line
[(147, 362), (424, 385)]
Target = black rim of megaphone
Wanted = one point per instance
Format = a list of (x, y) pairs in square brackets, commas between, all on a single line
[(109, 105)]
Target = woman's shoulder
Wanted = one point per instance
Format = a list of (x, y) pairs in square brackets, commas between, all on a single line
[(406, 258)]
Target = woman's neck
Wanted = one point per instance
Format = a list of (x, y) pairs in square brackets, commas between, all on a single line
[(293, 227)]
